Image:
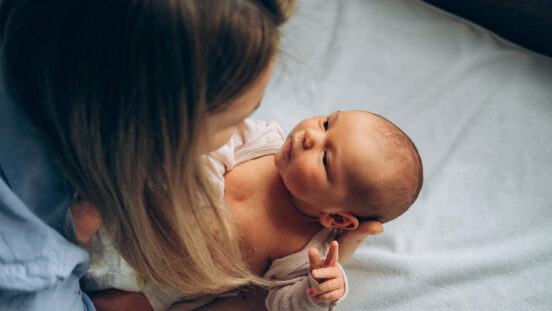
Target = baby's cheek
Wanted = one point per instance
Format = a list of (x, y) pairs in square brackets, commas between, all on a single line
[(300, 177)]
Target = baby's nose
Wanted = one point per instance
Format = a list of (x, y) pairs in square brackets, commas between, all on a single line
[(311, 138)]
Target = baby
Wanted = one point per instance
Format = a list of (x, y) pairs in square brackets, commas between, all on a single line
[(289, 197), (331, 172)]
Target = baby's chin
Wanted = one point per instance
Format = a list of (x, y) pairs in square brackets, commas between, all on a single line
[(278, 157)]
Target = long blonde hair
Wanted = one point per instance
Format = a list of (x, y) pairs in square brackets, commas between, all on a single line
[(120, 91)]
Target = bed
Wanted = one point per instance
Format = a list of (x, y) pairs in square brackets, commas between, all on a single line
[(478, 107)]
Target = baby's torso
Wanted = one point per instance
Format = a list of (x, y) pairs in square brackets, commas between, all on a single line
[(265, 221)]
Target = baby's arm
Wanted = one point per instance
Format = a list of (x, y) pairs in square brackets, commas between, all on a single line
[(328, 273), (293, 296), (318, 290), (351, 240)]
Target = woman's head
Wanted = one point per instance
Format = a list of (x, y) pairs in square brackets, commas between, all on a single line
[(149, 61), (220, 124), (128, 94)]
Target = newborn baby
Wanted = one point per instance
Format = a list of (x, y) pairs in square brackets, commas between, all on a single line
[(289, 197), (332, 172)]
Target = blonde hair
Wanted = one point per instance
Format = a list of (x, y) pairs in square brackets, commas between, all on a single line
[(120, 91)]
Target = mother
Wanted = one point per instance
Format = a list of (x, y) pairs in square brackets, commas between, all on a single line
[(116, 101)]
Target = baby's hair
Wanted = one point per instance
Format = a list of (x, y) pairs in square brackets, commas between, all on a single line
[(388, 197)]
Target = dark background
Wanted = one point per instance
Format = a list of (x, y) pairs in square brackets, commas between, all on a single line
[(527, 23)]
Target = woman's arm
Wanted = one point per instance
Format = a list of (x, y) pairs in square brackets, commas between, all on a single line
[(349, 241), (87, 222), (253, 300), (117, 300)]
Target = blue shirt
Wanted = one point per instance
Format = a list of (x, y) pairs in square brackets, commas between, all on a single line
[(40, 267)]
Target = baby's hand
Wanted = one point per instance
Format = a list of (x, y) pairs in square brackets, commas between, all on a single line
[(328, 274)]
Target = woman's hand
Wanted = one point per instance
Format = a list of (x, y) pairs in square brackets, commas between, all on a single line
[(86, 219), (349, 241), (328, 274)]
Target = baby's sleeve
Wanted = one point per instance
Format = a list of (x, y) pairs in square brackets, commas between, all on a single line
[(255, 138), (292, 295), (252, 139)]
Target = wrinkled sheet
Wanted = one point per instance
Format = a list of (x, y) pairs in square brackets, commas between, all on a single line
[(480, 111)]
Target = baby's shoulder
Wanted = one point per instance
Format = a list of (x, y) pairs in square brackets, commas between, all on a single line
[(251, 174)]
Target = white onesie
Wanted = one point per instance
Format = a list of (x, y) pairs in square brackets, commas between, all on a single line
[(289, 275)]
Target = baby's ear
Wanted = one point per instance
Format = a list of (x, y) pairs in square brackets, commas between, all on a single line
[(341, 220)]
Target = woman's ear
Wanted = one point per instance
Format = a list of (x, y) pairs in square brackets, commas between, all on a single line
[(86, 221), (341, 220)]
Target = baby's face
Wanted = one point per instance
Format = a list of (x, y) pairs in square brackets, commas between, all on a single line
[(321, 154)]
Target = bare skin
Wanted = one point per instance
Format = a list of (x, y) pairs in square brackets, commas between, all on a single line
[(257, 223), (254, 300), (278, 218)]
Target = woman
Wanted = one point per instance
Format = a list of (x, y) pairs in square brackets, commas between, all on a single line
[(124, 97)]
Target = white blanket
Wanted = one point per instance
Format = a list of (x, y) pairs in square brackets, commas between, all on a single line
[(480, 111)]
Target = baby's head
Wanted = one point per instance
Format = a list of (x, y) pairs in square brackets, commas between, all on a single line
[(348, 167)]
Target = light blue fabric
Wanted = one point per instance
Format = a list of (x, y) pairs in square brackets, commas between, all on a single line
[(39, 266), (479, 109)]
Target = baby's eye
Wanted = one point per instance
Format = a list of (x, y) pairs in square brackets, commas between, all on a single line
[(324, 159), (326, 125)]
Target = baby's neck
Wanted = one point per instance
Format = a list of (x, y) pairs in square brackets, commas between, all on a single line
[(279, 201), (264, 211), (259, 183)]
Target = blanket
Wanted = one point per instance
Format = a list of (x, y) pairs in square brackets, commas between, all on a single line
[(478, 108)]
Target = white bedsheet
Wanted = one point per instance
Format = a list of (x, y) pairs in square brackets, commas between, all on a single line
[(480, 111)]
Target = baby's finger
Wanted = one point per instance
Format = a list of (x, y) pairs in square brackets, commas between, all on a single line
[(314, 258), (325, 287), (331, 296), (332, 257), (326, 273)]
